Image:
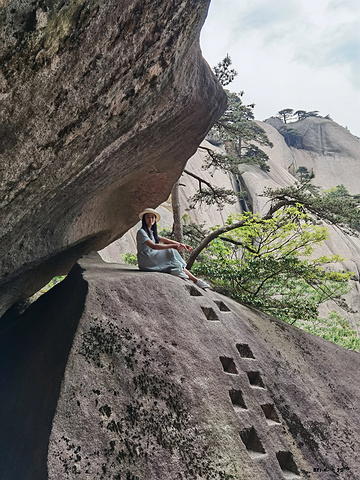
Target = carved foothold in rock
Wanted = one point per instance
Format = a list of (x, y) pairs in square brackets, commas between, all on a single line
[(101, 104)]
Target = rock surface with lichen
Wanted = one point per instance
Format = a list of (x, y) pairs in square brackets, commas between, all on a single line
[(101, 104), (121, 374)]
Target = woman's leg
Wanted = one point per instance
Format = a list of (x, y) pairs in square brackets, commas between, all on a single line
[(198, 282), (190, 275)]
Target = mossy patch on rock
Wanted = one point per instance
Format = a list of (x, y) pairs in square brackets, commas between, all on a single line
[(157, 416)]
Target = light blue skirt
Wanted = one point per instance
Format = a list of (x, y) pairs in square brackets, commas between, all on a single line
[(167, 261)]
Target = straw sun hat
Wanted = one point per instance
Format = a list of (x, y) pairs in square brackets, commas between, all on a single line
[(149, 210)]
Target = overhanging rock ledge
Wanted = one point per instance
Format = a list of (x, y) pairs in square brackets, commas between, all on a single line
[(102, 103)]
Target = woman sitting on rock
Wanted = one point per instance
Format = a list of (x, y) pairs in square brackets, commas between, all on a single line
[(153, 257)]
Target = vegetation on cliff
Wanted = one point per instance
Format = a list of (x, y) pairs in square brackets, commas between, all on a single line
[(270, 264)]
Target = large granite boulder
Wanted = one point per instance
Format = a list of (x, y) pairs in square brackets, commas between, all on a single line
[(121, 374), (101, 104)]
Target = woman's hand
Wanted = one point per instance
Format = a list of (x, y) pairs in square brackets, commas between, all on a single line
[(180, 246)]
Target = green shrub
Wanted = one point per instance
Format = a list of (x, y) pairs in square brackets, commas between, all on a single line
[(47, 287), (130, 258), (335, 328)]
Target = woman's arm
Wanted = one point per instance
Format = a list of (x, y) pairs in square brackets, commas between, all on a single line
[(167, 241), (170, 244)]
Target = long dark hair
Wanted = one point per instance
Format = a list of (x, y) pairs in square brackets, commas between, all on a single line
[(153, 228)]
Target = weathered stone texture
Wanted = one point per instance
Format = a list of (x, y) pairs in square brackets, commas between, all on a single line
[(101, 104), (108, 377)]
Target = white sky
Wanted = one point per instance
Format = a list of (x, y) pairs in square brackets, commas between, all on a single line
[(299, 54)]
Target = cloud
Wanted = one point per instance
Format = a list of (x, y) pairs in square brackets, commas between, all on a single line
[(270, 20), (344, 5), (338, 47), (265, 15), (319, 34), (347, 54)]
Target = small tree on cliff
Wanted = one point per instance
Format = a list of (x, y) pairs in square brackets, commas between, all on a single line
[(285, 114), (301, 114), (209, 194), (266, 263), (304, 174), (240, 134), (223, 72)]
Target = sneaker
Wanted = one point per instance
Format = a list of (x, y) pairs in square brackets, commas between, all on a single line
[(202, 284)]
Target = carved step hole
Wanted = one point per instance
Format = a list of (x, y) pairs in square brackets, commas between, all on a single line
[(244, 350), (228, 365), (287, 464), (270, 413), (222, 306), (194, 292), (252, 441), (210, 313), (237, 399), (255, 379)]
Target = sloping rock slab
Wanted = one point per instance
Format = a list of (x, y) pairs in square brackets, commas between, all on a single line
[(101, 104), (119, 374)]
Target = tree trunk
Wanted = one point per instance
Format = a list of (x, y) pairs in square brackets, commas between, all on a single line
[(175, 201)]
